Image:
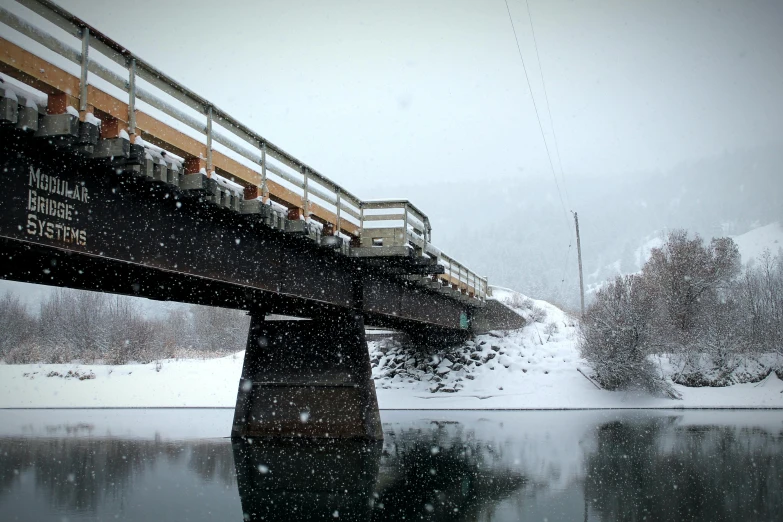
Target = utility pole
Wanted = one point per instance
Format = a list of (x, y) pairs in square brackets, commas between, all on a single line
[(579, 254)]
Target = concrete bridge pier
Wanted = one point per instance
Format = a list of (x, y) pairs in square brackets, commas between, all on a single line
[(307, 378)]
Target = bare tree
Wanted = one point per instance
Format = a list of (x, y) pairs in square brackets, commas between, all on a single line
[(220, 329), (176, 332), (616, 335), (87, 326), (687, 276), (129, 336), (760, 296), (687, 303), (16, 324)]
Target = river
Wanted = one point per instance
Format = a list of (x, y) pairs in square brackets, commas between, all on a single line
[(144, 465)]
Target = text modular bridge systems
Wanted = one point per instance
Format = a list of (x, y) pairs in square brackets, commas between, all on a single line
[(182, 202)]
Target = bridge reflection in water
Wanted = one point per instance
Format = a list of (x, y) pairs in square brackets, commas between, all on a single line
[(489, 466), (306, 479), (419, 478)]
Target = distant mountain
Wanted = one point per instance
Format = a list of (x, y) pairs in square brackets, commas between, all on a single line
[(751, 245)]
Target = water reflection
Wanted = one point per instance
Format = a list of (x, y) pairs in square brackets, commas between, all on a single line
[(300, 480), (440, 472), (655, 470), (460, 466), (95, 479)]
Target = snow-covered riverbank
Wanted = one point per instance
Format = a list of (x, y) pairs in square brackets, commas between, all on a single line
[(213, 383), (533, 368)]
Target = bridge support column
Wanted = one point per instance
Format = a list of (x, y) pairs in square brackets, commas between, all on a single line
[(308, 378)]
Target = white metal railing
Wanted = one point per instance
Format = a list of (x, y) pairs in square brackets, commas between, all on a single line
[(215, 126), (398, 214), (417, 233), (459, 276)]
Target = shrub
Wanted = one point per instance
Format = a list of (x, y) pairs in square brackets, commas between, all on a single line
[(616, 336)]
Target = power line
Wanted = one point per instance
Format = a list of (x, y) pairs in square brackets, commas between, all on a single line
[(546, 97), (538, 117)]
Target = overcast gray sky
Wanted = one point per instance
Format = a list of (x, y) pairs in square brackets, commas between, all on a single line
[(384, 94)]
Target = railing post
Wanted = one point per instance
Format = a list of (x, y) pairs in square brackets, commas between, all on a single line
[(306, 195), (337, 196), (132, 95), (264, 187), (85, 61), (361, 217), (209, 140), (405, 223)]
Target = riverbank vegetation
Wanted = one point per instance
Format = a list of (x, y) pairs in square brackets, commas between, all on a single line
[(694, 306), (94, 327)]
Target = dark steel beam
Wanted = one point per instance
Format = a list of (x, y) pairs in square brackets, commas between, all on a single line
[(66, 220)]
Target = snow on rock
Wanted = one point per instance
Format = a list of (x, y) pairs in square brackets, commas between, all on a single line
[(518, 362)]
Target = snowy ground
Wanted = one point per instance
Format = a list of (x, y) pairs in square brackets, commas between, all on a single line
[(532, 368), (176, 383)]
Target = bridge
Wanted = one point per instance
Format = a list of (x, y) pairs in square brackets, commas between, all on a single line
[(116, 178)]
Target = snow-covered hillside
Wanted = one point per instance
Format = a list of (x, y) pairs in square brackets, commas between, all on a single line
[(752, 244)]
